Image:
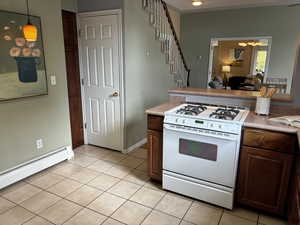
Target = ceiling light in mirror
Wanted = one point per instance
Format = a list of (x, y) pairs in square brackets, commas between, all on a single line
[(242, 44), (196, 2), (253, 43)]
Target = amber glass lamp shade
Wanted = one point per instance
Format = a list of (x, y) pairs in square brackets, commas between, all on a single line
[(30, 32)]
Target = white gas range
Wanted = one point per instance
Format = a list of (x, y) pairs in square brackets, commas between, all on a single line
[(201, 151)]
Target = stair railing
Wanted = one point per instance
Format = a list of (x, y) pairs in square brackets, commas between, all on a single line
[(160, 19)]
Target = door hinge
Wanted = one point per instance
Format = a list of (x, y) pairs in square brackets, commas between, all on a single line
[(82, 81), (85, 126)]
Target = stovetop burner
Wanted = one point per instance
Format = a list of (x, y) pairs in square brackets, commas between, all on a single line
[(198, 113), (192, 110), (225, 113)]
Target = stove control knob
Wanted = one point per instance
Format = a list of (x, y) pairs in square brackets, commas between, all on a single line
[(183, 121), (220, 126)]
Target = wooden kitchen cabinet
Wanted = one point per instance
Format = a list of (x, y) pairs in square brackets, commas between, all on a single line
[(265, 171), (155, 154), (294, 202), (155, 147), (275, 141)]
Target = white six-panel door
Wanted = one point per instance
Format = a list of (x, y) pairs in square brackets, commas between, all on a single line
[(100, 60)]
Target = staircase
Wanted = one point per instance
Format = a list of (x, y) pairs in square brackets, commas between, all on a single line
[(160, 20)]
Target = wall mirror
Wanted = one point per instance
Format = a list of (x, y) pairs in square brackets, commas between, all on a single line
[(247, 64)]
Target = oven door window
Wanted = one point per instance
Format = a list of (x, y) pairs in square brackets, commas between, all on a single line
[(198, 149)]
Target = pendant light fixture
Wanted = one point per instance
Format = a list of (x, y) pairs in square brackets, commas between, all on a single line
[(196, 2), (30, 31)]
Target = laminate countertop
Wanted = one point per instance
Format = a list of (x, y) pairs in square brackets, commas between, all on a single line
[(262, 122), (252, 120), (161, 109), (226, 93)]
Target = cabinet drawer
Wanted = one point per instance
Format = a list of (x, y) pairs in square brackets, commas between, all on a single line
[(269, 140), (155, 122)]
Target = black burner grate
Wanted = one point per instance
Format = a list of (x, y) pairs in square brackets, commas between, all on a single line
[(226, 113), (192, 110)]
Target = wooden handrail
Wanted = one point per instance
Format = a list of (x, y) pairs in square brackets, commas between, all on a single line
[(176, 40)]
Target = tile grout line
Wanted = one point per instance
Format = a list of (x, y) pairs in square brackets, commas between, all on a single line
[(187, 211), (129, 200), (146, 216), (119, 207), (152, 209), (144, 185), (46, 190), (219, 222), (126, 200), (63, 198), (9, 208), (34, 215), (99, 172), (86, 207), (244, 218)]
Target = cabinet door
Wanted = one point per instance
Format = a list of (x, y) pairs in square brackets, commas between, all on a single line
[(155, 154), (263, 179), (294, 202)]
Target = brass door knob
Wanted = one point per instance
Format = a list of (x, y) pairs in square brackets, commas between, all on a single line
[(115, 94)]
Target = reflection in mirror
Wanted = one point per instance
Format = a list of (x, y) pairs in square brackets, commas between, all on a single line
[(243, 64)]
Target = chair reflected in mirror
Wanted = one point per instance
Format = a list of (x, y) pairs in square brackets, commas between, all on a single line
[(279, 83)]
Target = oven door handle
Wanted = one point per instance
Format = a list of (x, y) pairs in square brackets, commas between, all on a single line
[(202, 132)]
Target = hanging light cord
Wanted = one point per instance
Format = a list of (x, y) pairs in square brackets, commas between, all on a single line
[(28, 17)]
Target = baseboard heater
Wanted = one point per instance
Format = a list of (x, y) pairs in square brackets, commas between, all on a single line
[(34, 166)]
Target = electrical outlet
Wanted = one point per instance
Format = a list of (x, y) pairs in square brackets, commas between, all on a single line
[(39, 144)]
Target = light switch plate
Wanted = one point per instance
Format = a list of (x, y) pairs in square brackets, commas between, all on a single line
[(39, 144), (53, 80)]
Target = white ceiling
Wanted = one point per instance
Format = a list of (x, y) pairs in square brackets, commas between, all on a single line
[(186, 5)]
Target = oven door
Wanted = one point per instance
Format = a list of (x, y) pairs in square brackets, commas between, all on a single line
[(201, 154)]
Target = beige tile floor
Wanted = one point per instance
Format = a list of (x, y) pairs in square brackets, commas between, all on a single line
[(100, 186)]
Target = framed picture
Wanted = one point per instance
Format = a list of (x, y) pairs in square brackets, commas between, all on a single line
[(237, 56), (22, 63)]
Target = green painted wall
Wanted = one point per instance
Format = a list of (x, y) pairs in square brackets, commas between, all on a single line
[(98, 5), (69, 5), (147, 78), (24, 121), (282, 23)]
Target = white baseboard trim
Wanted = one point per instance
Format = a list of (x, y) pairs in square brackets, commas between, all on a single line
[(27, 169), (135, 146)]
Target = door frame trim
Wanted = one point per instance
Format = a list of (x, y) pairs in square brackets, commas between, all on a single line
[(78, 57), (119, 14)]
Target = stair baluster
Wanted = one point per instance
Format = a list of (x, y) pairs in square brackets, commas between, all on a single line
[(160, 20)]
